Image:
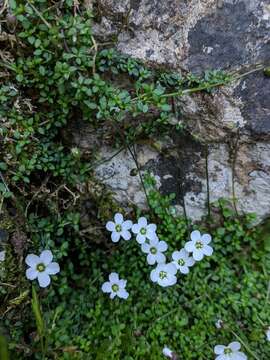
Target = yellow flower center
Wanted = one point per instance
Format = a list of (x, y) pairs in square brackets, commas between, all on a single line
[(40, 267)]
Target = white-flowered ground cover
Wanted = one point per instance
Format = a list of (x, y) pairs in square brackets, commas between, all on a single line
[(164, 274), (146, 235)]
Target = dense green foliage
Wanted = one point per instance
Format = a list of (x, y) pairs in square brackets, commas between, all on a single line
[(55, 73)]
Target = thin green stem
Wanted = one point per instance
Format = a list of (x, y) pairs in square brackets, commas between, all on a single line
[(39, 14), (134, 156), (210, 86)]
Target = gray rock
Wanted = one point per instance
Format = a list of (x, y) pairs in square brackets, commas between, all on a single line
[(233, 123)]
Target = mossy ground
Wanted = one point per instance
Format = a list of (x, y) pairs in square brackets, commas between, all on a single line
[(83, 323)]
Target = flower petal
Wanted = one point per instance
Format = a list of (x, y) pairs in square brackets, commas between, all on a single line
[(169, 281), (127, 225), (189, 246), (43, 279), (46, 257), (126, 235), (122, 293), (154, 275), (235, 346), (195, 235), (160, 258), (151, 235), (167, 352), (135, 228), (162, 246), (207, 250), (118, 218), (184, 269), (106, 287), (190, 261), (31, 274), (53, 268), (114, 277), (171, 268), (183, 254), (122, 283), (222, 357), (151, 259), (110, 226), (206, 238), (140, 238), (240, 356), (197, 255), (145, 248), (142, 222), (154, 241), (152, 227), (112, 295), (176, 255), (32, 260), (219, 349), (115, 236)]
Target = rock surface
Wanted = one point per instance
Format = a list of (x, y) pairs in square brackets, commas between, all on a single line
[(231, 127)]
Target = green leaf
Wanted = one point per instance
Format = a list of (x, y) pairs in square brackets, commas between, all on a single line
[(31, 39), (37, 43), (165, 107)]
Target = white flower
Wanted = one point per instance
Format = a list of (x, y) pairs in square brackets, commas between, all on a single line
[(164, 274), (41, 267), (198, 245), (230, 352), (182, 261), (219, 324), (119, 228), (2, 255), (167, 352), (154, 249), (144, 231), (115, 286), (268, 334)]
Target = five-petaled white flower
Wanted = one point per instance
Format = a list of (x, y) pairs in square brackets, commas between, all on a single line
[(154, 249), (268, 334), (198, 245), (2, 255), (41, 267), (119, 228), (167, 352), (144, 231), (230, 352), (115, 286), (182, 261), (164, 274)]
